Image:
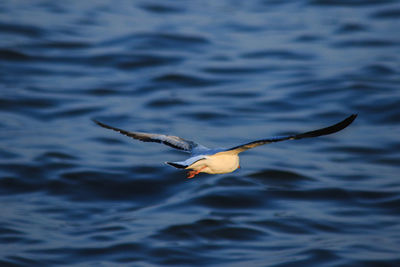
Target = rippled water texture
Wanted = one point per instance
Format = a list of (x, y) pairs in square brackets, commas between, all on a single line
[(218, 72)]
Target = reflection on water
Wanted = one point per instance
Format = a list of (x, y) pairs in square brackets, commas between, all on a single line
[(220, 73)]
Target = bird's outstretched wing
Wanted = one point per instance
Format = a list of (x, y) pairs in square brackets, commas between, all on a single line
[(169, 140), (324, 131)]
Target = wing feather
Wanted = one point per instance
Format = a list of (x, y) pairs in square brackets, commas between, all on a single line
[(169, 140), (324, 131)]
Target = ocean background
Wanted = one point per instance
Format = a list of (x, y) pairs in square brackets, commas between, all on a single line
[(220, 73)]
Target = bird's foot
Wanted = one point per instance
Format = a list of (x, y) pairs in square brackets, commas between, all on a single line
[(192, 174)]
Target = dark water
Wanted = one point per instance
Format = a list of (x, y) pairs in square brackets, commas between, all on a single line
[(218, 72)]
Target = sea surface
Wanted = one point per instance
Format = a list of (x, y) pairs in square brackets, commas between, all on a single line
[(220, 73)]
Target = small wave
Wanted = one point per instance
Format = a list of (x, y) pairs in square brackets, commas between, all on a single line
[(209, 229), (62, 45), (231, 199), (379, 69), (185, 80), (229, 71), (278, 54), (279, 176), (387, 14), (308, 38), (103, 91), (162, 9), (204, 115), (22, 29), (377, 43), (116, 253), (320, 194), (354, 3), (19, 261), (163, 41), (165, 103), (24, 103), (132, 61), (350, 28), (12, 55), (55, 155), (71, 112)]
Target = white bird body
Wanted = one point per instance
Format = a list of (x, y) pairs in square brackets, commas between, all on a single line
[(221, 162), (218, 161)]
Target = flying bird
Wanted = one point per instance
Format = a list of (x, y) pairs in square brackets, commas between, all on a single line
[(219, 160)]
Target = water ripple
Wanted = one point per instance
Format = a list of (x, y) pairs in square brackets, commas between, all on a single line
[(21, 29), (350, 3), (75, 194), (387, 14), (152, 41)]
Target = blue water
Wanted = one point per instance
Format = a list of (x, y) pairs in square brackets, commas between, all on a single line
[(220, 73)]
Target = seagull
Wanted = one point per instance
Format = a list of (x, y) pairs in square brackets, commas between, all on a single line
[(219, 160)]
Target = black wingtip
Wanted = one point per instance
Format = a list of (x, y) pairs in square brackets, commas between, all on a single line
[(352, 117), (97, 122), (346, 122), (103, 125), (328, 130), (176, 165)]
